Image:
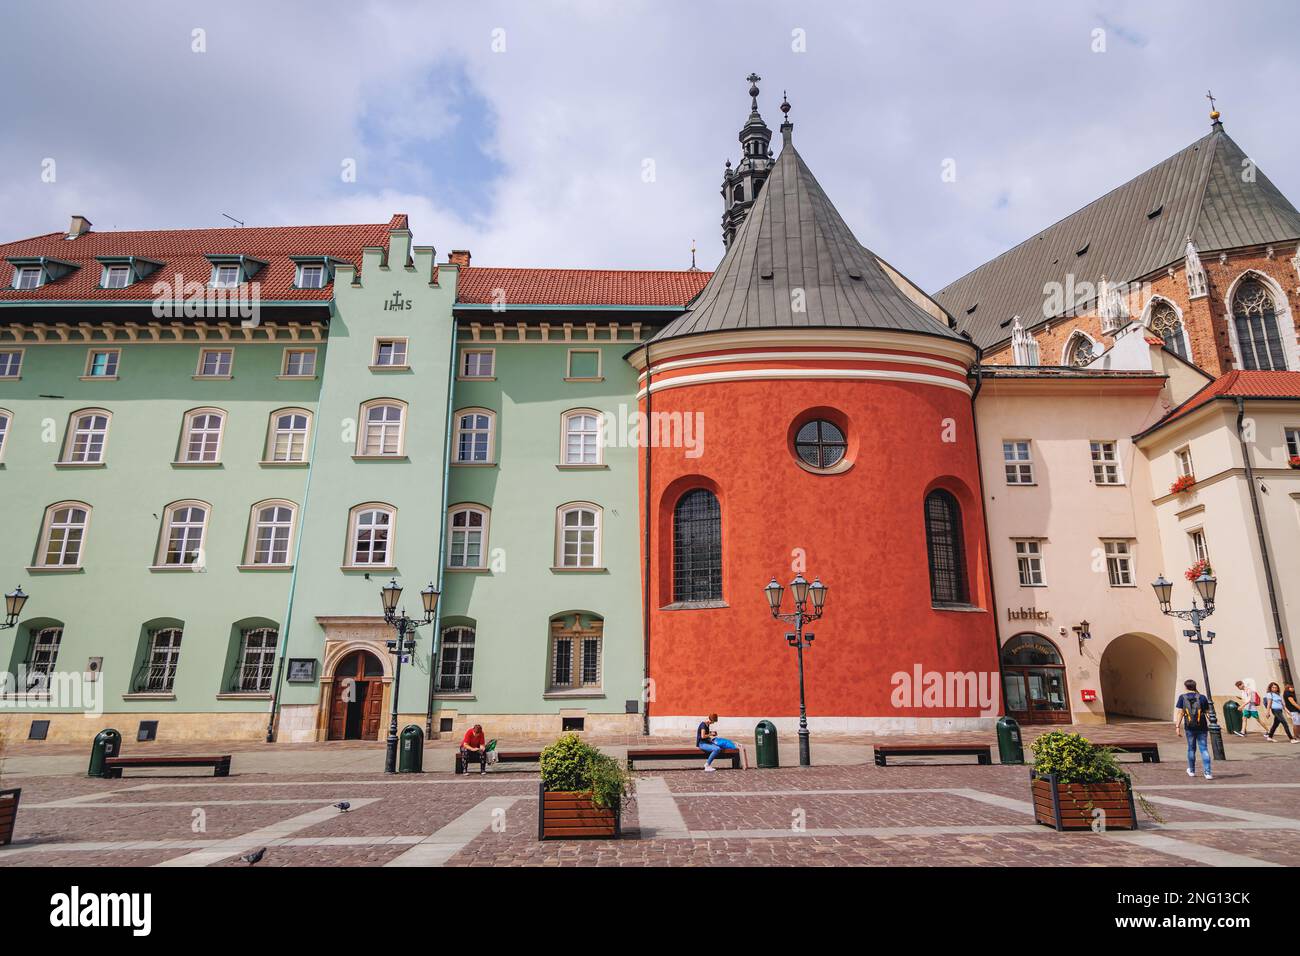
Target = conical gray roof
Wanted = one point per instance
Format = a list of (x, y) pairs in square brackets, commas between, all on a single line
[(792, 239)]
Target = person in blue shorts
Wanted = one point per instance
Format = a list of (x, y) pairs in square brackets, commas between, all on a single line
[(707, 739)]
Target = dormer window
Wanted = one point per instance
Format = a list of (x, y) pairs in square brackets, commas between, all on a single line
[(28, 277), (116, 277), (32, 272), (225, 276), (229, 271), (311, 277)]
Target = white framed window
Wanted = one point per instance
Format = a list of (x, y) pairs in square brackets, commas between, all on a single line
[(215, 363), (390, 353), (159, 675), (478, 363), (42, 653), (311, 276), (6, 417), (28, 277), (475, 433), (270, 534), (102, 363), (1183, 461), (299, 363), (370, 535), (1018, 462), (286, 440), (1119, 562), (226, 275), (456, 660), (63, 535), (185, 524), (257, 647), (469, 538), (1292, 436), (576, 652), (87, 435), (201, 436), (584, 365), (116, 277), (11, 363), (577, 535), (1200, 550), (582, 437), (1029, 562), (1105, 463), (382, 432)]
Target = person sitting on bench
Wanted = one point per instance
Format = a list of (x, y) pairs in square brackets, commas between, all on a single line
[(474, 747), (708, 740)]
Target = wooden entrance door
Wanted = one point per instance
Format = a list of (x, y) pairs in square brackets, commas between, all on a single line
[(356, 701)]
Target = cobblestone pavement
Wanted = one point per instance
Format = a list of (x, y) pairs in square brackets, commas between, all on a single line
[(843, 813)]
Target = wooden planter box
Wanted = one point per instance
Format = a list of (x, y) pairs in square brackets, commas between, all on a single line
[(1070, 806), (570, 815), (8, 814)]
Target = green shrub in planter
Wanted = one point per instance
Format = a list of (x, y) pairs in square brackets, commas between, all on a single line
[(1073, 758), (569, 764)]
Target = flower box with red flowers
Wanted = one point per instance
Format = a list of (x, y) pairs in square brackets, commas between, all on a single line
[(1294, 461), (1184, 483), (1199, 568)]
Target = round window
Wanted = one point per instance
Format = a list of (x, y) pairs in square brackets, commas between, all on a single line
[(820, 444)]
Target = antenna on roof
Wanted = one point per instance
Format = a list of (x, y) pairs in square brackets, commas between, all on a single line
[(237, 222)]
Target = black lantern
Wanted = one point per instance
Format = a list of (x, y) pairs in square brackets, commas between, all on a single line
[(1206, 585), (430, 598), (799, 588), (802, 614), (818, 592), (774, 592), (391, 594), (1164, 591), (14, 602)]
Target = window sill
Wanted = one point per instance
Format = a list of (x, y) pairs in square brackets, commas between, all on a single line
[(212, 378), (592, 693), (1033, 586), (55, 569), (99, 378), (561, 569), (567, 466), (196, 464), (79, 464), (295, 378), (596, 378), (389, 368), (150, 695), (284, 464), (471, 570), (380, 458), (693, 605), (11, 378), (264, 567), (368, 568), (192, 568), (244, 695), (476, 378), (959, 608), (1022, 484), (454, 696), (473, 464), (837, 469)]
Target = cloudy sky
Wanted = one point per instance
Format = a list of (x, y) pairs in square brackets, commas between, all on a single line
[(593, 133)]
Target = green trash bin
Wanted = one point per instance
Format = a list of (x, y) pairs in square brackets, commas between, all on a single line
[(1232, 717), (765, 744), (410, 751), (108, 743), (1011, 748)]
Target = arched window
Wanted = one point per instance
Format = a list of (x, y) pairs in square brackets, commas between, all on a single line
[(184, 526), (201, 436), (469, 538), (697, 547), (158, 672), (269, 534), (286, 439), (1254, 318), (582, 437), (943, 539), (577, 536), (577, 650), (370, 535), (87, 433), (42, 653), (1079, 350), (1164, 321), (456, 659), (257, 646), (382, 430), (63, 535), (475, 428)]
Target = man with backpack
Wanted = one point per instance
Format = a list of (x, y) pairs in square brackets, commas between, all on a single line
[(1192, 715)]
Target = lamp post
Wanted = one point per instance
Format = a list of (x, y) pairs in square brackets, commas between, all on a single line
[(1206, 585), (801, 591), (14, 602), (391, 594)]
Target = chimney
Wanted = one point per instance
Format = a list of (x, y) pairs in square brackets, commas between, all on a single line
[(459, 257), (79, 227)]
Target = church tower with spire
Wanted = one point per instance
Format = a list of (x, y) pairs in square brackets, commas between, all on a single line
[(740, 185)]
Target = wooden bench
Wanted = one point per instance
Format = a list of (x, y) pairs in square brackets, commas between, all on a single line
[(113, 766), (504, 756), (680, 753), (885, 751), (1149, 749)]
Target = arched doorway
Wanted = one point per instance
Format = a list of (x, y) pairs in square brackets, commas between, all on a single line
[(356, 701), (1033, 680), (1138, 673)]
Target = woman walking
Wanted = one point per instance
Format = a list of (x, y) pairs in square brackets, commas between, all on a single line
[(1274, 701)]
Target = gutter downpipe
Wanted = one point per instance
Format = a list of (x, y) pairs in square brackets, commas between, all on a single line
[(988, 543), (436, 639), (1263, 542), (645, 586), (297, 559)]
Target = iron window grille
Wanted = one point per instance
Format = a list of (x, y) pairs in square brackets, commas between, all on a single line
[(456, 661), (943, 538), (256, 663), (697, 547), (41, 656), (820, 444), (157, 674)]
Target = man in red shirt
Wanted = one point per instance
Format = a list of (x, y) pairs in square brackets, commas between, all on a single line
[(474, 747)]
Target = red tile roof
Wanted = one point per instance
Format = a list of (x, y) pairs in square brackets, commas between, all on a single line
[(1235, 384), (479, 285), (183, 251)]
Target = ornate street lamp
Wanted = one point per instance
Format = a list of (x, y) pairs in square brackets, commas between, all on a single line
[(14, 602), (800, 590), (1206, 585), (390, 595)]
